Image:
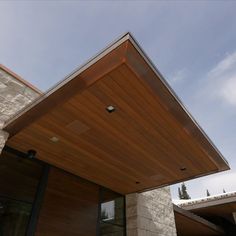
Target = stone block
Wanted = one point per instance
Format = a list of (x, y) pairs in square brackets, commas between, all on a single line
[(3, 138), (132, 232), (131, 211), (142, 232), (30, 94), (131, 199), (131, 222), (4, 77), (155, 214)]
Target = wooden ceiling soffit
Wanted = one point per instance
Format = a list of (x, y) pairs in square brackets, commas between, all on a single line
[(75, 83), (163, 144)]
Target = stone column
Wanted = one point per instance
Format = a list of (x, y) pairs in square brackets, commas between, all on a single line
[(150, 213), (3, 139)]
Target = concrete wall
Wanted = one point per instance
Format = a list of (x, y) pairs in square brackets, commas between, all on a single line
[(150, 213), (15, 94)]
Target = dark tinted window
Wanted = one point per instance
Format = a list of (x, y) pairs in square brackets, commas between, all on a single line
[(112, 218), (19, 178)]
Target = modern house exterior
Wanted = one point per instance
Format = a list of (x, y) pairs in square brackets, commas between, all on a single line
[(96, 153)]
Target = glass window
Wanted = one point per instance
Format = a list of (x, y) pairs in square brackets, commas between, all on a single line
[(108, 210), (19, 178), (112, 218)]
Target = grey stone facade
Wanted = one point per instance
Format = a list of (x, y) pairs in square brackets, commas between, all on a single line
[(14, 94), (150, 213), (3, 139)]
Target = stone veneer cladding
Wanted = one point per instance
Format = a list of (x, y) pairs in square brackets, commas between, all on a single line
[(150, 213), (3, 139), (14, 95)]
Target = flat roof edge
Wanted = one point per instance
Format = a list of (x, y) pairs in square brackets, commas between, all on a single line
[(220, 161), (209, 202), (176, 97)]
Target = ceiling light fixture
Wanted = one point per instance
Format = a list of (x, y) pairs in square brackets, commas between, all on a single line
[(54, 139), (110, 109)]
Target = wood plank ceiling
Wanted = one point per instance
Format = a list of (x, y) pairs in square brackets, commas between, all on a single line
[(148, 141)]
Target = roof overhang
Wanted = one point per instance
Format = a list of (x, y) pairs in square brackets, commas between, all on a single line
[(214, 206), (188, 223), (150, 140), (211, 201)]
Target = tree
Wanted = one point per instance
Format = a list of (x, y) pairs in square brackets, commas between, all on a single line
[(208, 194), (183, 194), (104, 215), (224, 190), (180, 194)]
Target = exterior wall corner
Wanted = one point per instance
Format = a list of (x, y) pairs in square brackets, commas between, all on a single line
[(3, 138), (150, 213)]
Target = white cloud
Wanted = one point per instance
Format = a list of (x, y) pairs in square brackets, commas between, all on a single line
[(222, 80), (228, 91), (178, 76)]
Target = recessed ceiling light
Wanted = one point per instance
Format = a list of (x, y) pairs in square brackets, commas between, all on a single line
[(110, 109), (54, 139)]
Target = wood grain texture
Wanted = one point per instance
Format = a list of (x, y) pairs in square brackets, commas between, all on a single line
[(149, 141), (70, 206), (75, 84), (160, 88)]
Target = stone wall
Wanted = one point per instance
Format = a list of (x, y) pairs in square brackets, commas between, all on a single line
[(15, 94), (150, 213), (3, 139)]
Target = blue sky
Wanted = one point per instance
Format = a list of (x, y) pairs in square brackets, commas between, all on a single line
[(192, 43)]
